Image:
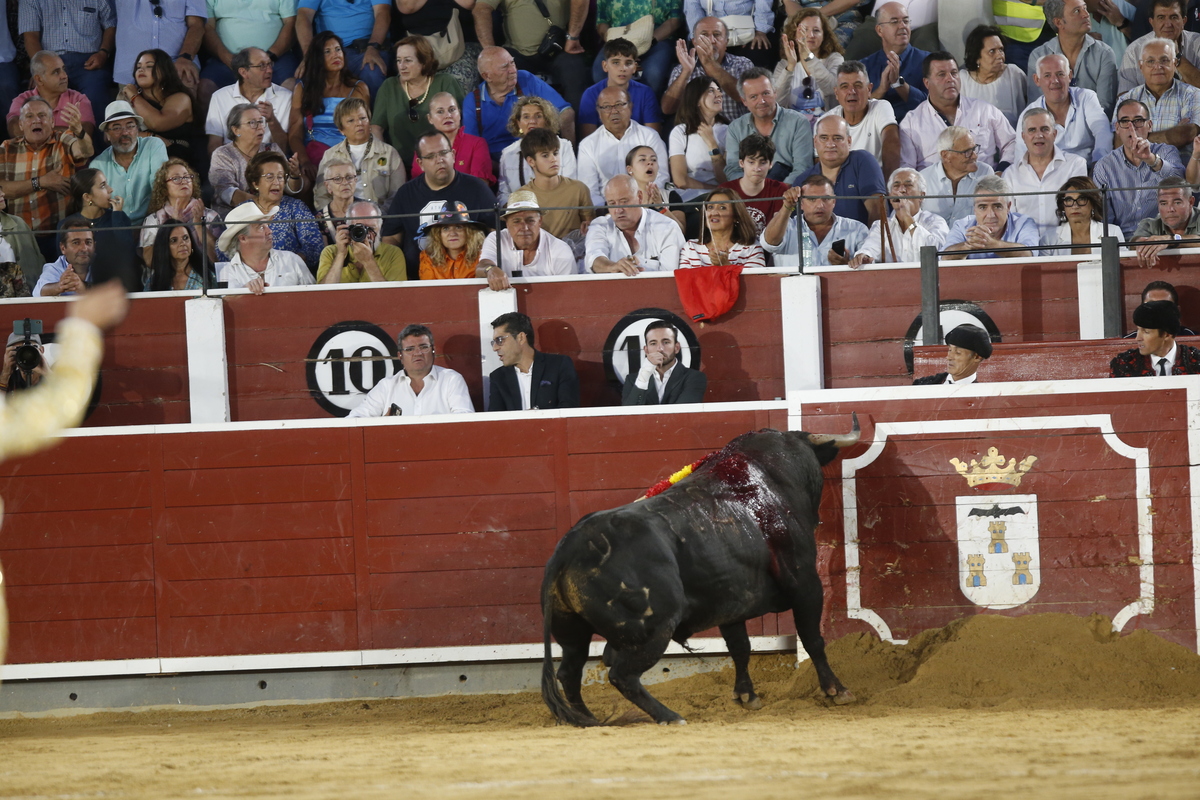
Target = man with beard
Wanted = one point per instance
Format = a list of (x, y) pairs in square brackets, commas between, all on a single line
[(528, 379), (602, 154), (955, 173), (662, 380), (1043, 168), (427, 193), (36, 168), (1177, 219), (420, 387), (1138, 163), (967, 346), (132, 161), (994, 225), (523, 248), (1157, 353)]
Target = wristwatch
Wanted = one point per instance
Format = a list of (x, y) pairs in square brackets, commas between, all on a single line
[(376, 45), (185, 56), (37, 183), (272, 56), (899, 82), (716, 151), (572, 38), (810, 57)]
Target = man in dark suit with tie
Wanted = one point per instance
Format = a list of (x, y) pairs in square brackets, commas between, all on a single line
[(1157, 352), (529, 379), (662, 379)]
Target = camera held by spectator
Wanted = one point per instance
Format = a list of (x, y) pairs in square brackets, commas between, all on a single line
[(24, 357)]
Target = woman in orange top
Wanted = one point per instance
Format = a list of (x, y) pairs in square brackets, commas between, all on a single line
[(454, 244)]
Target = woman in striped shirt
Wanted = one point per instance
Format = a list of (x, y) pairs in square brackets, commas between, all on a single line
[(727, 235)]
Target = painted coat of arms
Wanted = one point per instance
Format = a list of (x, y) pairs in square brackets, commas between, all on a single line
[(999, 562)]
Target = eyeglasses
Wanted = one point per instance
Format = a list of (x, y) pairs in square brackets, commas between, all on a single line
[(417, 348), (967, 152), (499, 340), (277, 177), (264, 65), (1073, 202), (1137, 122), (258, 123), (1165, 61), (157, 4), (342, 179), (612, 107), (180, 179), (440, 154), (412, 113)]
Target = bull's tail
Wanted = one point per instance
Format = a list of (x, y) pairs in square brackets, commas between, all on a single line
[(551, 693)]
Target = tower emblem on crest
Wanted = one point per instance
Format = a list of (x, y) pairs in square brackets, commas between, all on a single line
[(999, 562)]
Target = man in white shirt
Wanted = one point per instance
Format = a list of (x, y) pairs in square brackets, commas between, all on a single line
[(254, 70), (910, 227), (955, 173), (524, 248), (420, 387), (919, 131), (1167, 20), (832, 238), (872, 122), (602, 154), (1083, 127), (1043, 168), (630, 239)]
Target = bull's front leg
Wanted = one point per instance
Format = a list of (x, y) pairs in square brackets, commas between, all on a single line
[(738, 642)]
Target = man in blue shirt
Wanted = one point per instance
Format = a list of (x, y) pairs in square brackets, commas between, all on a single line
[(855, 174), (993, 226), (895, 70), (487, 109), (363, 28), (620, 64)]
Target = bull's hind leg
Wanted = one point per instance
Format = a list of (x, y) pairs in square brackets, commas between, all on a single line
[(625, 673), (574, 636), (810, 599), (738, 642)]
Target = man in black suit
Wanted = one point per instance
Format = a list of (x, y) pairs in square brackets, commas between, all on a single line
[(529, 379), (966, 348), (1161, 290), (662, 379), (1157, 352)]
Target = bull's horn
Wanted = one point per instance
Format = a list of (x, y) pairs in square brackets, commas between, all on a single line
[(839, 440)]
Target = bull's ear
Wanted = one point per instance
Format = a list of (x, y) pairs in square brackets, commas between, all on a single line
[(838, 440)]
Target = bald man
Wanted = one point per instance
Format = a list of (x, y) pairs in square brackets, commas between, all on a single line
[(486, 110)]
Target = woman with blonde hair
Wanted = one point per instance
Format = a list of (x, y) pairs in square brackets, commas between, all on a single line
[(531, 112), (175, 197), (454, 244), (727, 235), (811, 55)]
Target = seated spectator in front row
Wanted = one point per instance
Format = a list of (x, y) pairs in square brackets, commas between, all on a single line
[(293, 227), (1157, 353), (568, 202), (254, 87), (471, 154), (175, 197), (132, 160), (910, 227), (378, 167), (855, 174), (955, 173), (454, 242), (419, 197), (631, 239), (357, 254), (93, 200), (176, 263), (1161, 290), (602, 155), (994, 225), (662, 379), (833, 238), (1080, 224), (1043, 168), (254, 264), (727, 235), (790, 130), (339, 179), (1132, 170), (619, 60), (1178, 218), (522, 248), (967, 346), (530, 113), (71, 273), (529, 379), (420, 387), (754, 155)]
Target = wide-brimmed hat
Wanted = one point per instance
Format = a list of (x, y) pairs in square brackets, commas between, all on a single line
[(523, 200), (239, 219), (971, 337), (454, 212), (119, 109)]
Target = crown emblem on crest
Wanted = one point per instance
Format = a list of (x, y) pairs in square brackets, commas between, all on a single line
[(991, 471)]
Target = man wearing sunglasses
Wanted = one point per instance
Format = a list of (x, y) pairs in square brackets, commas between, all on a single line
[(420, 387), (528, 379), (1132, 170)]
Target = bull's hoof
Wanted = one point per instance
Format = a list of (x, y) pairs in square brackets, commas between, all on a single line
[(748, 701), (679, 721), (844, 697)]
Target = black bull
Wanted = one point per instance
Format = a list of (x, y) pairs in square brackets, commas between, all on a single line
[(732, 541)]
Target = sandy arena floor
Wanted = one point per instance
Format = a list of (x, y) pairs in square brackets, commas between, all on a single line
[(1034, 707)]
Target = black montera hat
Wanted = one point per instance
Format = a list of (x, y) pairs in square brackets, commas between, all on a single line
[(971, 337), (1160, 314)]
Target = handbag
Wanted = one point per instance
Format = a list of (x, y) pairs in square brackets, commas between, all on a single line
[(740, 27), (448, 45), (639, 33), (555, 39)]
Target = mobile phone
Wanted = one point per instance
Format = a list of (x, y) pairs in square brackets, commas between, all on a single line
[(839, 247), (394, 411)]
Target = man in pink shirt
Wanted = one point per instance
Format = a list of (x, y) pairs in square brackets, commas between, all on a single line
[(50, 83)]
